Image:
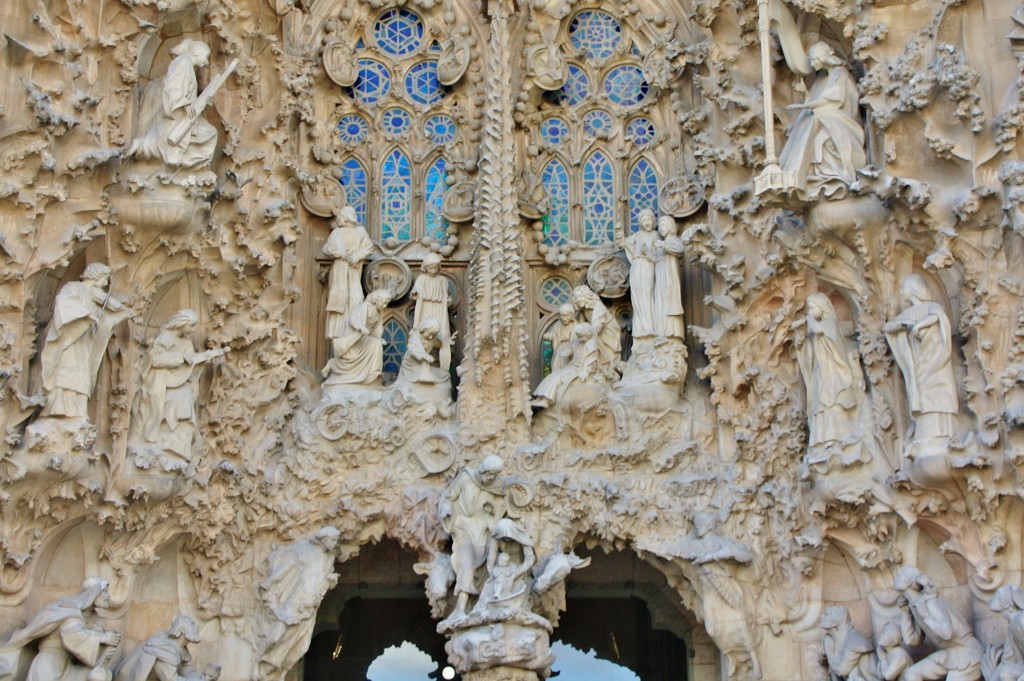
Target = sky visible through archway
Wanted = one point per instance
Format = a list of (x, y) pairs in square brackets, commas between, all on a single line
[(408, 663)]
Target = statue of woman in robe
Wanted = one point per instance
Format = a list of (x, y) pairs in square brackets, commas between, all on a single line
[(922, 342), (826, 143), (171, 123), (639, 248), (668, 288)]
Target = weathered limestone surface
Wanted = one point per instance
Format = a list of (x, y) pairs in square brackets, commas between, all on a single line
[(736, 288)]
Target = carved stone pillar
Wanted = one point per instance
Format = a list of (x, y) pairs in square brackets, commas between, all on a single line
[(495, 384)]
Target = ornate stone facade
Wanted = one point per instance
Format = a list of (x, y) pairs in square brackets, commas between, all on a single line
[(733, 289)]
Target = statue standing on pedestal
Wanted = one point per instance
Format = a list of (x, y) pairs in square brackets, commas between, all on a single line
[(430, 290), (921, 340), (668, 287), (84, 316), (349, 246), (640, 250)]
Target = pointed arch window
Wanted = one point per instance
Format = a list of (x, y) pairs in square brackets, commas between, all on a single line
[(395, 338), (598, 199), (556, 184), (396, 197), (436, 227), (353, 179), (643, 191)]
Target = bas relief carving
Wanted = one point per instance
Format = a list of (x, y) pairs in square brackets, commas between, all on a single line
[(805, 415)]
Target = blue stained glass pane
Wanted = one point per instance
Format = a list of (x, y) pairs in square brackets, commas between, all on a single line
[(597, 124), (641, 131), (598, 34), (353, 180), (396, 340), (398, 32), (352, 128), (396, 121), (625, 85), (440, 129), (396, 197), (437, 226), (575, 90), (643, 191), (598, 200), (555, 292), (556, 183), (373, 82), (554, 130), (421, 83)]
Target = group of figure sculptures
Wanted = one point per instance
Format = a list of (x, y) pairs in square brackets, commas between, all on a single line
[(923, 620), (66, 641)]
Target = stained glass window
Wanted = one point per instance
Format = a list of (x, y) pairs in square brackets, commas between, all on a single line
[(641, 131), (597, 124), (575, 90), (437, 226), (353, 180), (396, 121), (556, 222), (396, 340), (555, 292), (554, 130), (596, 33), (396, 197), (398, 32), (352, 128), (372, 83), (440, 129), (625, 85), (421, 83), (598, 200), (643, 191)]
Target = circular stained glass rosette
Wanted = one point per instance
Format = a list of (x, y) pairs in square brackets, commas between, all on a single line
[(554, 130), (422, 85), (596, 34), (597, 124), (440, 129), (396, 121), (352, 129), (373, 82), (625, 85), (575, 90), (398, 32), (641, 131), (555, 292)]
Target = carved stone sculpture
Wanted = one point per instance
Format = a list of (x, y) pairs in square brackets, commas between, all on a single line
[(70, 645), (164, 656), (560, 336), (171, 124), (510, 558), (925, 616), (848, 653), (427, 358), (359, 351), (589, 308), (1005, 662), (348, 246), (640, 250), (166, 427), (826, 143), (84, 316), (582, 368), (893, 658), (835, 386), (430, 290), (298, 576), (469, 509), (921, 340), (668, 287)]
